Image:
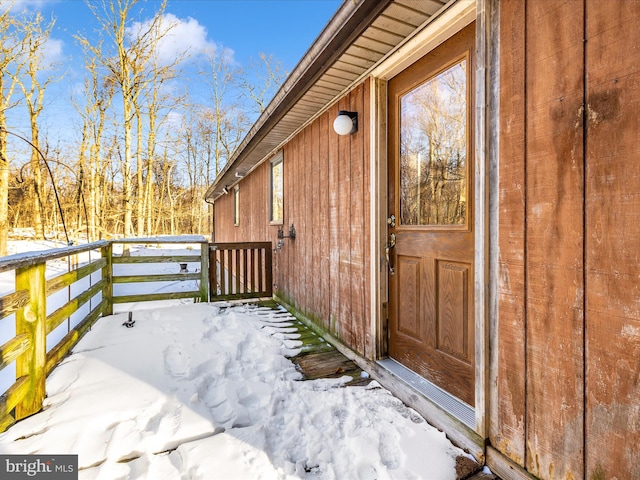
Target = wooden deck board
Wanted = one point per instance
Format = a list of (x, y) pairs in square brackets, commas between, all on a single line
[(317, 358), (328, 364)]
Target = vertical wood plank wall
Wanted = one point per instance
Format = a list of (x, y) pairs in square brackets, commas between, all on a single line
[(568, 392), (323, 272), (612, 239), (508, 427), (555, 240)]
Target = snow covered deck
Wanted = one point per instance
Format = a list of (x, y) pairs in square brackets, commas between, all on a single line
[(200, 391)]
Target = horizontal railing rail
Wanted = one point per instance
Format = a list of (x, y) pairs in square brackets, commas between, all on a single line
[(176, 272)]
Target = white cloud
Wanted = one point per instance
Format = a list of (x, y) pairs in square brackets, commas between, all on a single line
[(174, 120), (182, 37), (52, 51), (27, 5)]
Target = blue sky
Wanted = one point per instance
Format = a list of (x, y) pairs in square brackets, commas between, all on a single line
[(282, 28)]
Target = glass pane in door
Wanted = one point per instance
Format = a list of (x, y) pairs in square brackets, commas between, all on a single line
[(433, 150)]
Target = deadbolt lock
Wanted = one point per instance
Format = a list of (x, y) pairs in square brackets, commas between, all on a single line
[(391, 221)]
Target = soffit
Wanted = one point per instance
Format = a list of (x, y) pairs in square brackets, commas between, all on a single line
[(356, 39)]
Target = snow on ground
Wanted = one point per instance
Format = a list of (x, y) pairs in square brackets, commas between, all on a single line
[(205, 392)]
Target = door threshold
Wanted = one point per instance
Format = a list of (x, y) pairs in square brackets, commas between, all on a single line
[(454, 406)]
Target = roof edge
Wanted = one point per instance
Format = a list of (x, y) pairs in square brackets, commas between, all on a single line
[(349, 21)]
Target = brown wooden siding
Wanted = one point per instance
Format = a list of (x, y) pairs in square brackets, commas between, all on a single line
[(508, 434), (612, 240), (555, 239), (254, 211), (569, 237), (324, 271)]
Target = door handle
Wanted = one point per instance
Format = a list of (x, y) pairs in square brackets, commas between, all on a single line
[(387, 253)]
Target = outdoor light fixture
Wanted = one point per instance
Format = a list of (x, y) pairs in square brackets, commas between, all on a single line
[(292, 233), (346, 122), (225, 190)]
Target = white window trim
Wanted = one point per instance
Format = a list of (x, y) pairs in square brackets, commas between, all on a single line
[(236, 205), (277, 159)]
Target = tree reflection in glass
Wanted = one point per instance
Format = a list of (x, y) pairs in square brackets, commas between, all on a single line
[(433, 150)]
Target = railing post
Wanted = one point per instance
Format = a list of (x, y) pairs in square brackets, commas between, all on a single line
[(107, 273), (31, 320), (204, 272), (268, 257)]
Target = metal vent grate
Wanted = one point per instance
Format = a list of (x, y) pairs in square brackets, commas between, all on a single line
[(459, 409)]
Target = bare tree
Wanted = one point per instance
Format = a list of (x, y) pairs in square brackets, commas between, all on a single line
[(159, 105), (93, 107), (224, 117), (126, 70), (11, 62), (130, 183), (210, 133), (260, 80), (154, 74), (35, 35), (433, 166)]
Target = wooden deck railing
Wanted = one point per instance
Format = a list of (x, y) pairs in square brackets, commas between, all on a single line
[(28, 303), (240, 270), (42, 339), (199, 257)]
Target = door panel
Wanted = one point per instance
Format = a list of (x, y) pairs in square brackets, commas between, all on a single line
[(452, 328), (408, 269), (430, 191)]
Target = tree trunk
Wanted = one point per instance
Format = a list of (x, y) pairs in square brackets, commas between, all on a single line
[(126, 174), (38, 188), (4, 185), (149, 184), (140, 174)]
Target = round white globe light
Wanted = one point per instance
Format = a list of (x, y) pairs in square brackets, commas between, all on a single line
[(343, 124)]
